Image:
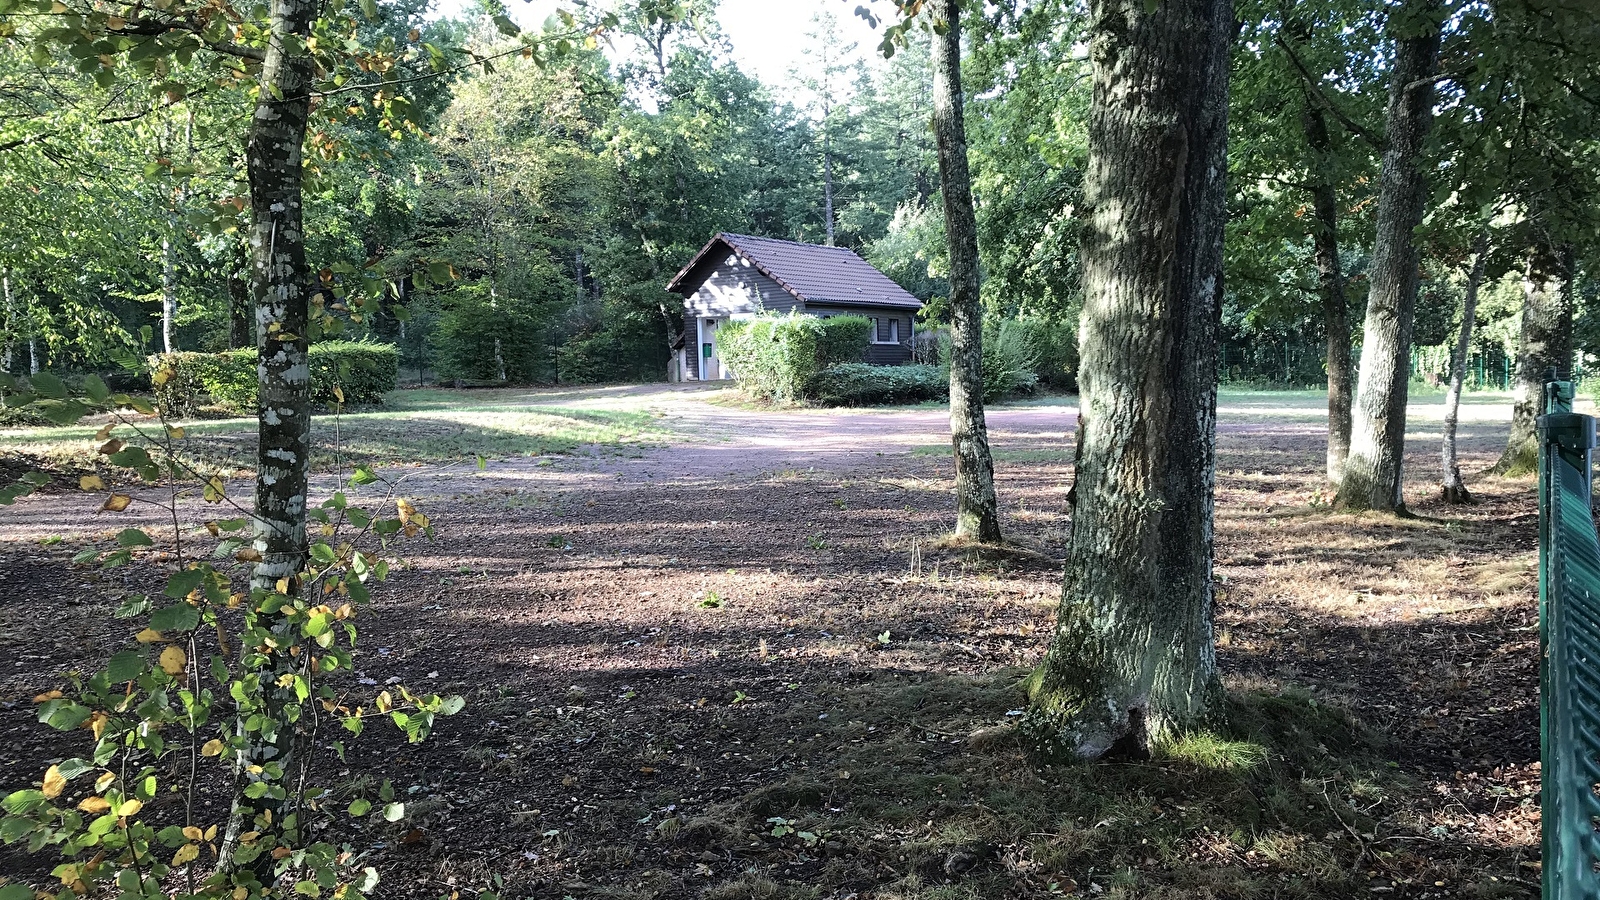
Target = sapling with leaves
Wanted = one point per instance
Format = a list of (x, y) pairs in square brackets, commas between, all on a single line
[(211, 675)]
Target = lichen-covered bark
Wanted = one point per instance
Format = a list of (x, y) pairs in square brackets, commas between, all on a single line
[(1132, 660), (1330, 288), (1452, 488), (1373, 471), (1546, 344), (282, 286), (977, 510)]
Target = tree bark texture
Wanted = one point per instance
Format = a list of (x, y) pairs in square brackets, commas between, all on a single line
[(977, 509), (1453, 489), (1133, 661), (1330, 287), (1546, 344), (1373, 473), (8, 349), (282, 286), (169, 287)]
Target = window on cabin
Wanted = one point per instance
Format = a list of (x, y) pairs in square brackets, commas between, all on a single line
[(894, 331), (873, 335)]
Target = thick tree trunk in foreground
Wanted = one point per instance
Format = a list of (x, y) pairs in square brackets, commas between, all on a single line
[(1453, 489), (1373, 473), (977, 512), (1546, 344), (1132, 661), (1330, 287), (282, 286)]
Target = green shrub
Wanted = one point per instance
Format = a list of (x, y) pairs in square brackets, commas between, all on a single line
[(844, 339), (1057, 346), (780, 357), (859, 384), (1010, 359), (490, 340), (363, 372)]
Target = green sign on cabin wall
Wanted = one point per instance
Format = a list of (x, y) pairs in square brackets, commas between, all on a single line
[(705, 351)]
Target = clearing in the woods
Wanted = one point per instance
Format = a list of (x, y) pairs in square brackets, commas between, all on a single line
[(715, 651)]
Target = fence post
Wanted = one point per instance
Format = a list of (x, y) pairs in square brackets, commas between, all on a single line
[(1569, 659)]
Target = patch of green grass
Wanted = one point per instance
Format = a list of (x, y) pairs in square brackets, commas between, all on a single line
[(419, 426), (1032, 455)]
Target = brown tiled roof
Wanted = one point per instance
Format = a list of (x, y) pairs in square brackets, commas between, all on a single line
[(811, 272)]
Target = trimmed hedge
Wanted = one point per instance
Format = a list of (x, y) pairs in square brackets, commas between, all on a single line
[(365, 372), (781, 357), (859, 384)]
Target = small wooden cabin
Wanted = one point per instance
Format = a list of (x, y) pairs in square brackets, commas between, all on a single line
[(736, 276)]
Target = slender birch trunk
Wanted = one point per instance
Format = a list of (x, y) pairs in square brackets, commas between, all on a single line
[(1374, 471), (977, 509), (1330, 287), (1545, 346), (1453, 489), (8, 352), (1132, 661), (169, 285)]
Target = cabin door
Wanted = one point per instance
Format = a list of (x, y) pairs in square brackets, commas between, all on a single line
[(711, 368)]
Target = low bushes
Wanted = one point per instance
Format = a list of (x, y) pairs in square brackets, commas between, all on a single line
[(364, 372), (781, 357), (859, 384)]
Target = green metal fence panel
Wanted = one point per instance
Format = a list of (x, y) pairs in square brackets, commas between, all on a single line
[(1569, 634)]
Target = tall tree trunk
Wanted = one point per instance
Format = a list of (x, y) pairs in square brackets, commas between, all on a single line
[(1133, 660), (1546, 344), (1373, 474), (1330, 286), (977, 510), (169, 286), (1454, 490), (827, 180), (8, 352), (282, 286)]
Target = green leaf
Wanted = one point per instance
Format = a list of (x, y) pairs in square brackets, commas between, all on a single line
[(452, 705), (369, 8), (133, 537), (125, 666), (362, 475), (181, 583), (130, 457), (322, 553), (96, 388), (506, 26), (48, 386), (360, 806), (394, 812), (178, 617), (62, 412)]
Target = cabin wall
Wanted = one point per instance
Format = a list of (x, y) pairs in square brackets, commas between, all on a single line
[(734, 289), (884, 354)]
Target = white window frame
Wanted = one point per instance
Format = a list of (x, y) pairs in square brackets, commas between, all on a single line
[(894, 330)]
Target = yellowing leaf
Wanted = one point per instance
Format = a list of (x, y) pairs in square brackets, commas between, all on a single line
[(110, 447), (47, 696), (338, 393), (97, 723), (105, 780), (249, 555), (212, 747), (173, 660), (94, 806), (405, 508), (54, 782), (211, 833), (385, 702), (104, 432), (91, 483), (188, 853), (175, 432), (130, 807), (116, 503), (193, 833), (282, 586), (149, 636)]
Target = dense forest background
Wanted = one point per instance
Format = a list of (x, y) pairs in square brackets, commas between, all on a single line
[(522, 220)]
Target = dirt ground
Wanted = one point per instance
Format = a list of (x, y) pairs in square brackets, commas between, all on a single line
[(740, 663)]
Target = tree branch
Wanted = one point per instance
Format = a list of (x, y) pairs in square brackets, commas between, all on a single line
[(1351, 125)]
